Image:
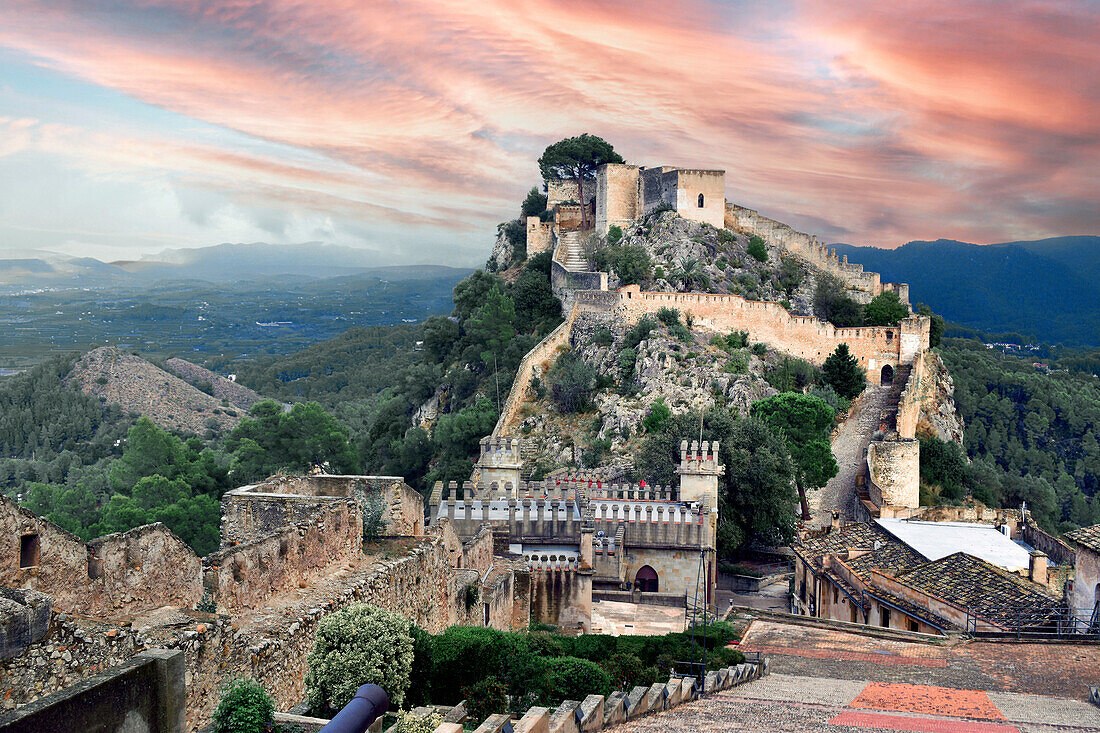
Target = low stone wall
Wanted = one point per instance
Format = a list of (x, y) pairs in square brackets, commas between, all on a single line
[(535, 363), (909, 404), (143, 695), (24, 619), (670, 600), (243, 576)]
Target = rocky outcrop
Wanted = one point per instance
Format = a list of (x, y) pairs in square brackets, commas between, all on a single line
[(145, 389), (938, 416), (224, 389)]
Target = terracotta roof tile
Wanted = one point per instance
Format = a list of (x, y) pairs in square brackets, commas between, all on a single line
[(1087, 537)]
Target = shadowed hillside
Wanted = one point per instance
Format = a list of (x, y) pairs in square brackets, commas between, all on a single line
[(1042, 290)]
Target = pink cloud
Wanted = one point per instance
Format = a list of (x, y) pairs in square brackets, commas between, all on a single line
[(877, 123)]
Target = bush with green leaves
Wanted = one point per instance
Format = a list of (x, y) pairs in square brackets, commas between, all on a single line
[(357, 645), (886, 309), (572, 382), (639, 332), (833, 304), (570, 678), (757, 249), (659, 413), (245, 707), (614, 234), (792, 374), (534, 204), (488, 696)]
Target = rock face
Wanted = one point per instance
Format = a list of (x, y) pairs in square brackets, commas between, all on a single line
[(716, 261), (937, 414), (502, 255), (687, 374)]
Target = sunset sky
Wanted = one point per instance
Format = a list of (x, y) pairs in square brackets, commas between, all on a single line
[(412, 127)]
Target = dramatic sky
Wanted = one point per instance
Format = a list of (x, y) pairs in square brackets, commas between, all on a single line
[(412, 127)]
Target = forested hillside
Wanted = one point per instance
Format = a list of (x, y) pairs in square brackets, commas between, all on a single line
[(1042, 290), (1031, 435)]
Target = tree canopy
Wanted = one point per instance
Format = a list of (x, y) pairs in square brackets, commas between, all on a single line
[(576, 159), (804, 421), (843, 372), (886, 309)]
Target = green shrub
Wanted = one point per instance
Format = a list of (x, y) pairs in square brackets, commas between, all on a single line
[(357, 645), (659, 413), (459, 652), (603, 336), (760, 350), (627, 671), (572, 382), (534, 204), (245, 707), (885, 310), (658, 273), (485, 697), (373, 523), (614, 234), (757, 249), (725, 236), (570, 678), (669, 316), (792, 375), (738, 363), (639, 332)]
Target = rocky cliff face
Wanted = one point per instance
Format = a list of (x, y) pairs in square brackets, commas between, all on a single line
[(689, 374), (937, 414), (691, 256)]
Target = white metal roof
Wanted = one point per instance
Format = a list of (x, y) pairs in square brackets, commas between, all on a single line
[(940, 539)]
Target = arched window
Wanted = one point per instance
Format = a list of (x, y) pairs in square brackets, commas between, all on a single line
[(646, 580), (887, 375), (700, 201)]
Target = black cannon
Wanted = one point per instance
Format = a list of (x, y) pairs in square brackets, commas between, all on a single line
[(369, 703)]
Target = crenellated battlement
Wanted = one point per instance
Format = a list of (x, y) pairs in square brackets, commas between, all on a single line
[(502, 451), (700, 458)]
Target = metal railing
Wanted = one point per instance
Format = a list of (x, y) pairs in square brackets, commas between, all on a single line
[(1028, 621)]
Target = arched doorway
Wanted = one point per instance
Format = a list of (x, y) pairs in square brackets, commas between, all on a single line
[(887, 375), (646, 580)]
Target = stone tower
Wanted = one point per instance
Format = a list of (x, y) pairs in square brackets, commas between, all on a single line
[(500, 462), (699, 471)]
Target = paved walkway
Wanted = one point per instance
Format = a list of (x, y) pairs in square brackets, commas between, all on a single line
[(833, 681)]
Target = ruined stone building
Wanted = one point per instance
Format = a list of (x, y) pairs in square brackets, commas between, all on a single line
[(292, 552), (583, 538)]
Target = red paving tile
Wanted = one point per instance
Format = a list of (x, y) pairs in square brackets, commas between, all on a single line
[(855, 719), (928, 700), (885, 659)]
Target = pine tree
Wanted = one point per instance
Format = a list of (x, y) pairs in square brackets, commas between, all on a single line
[(844, 373)]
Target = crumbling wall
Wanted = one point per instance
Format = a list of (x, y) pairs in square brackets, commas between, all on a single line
[(245, 575), (117, 574), (24, 619), (538, 236)]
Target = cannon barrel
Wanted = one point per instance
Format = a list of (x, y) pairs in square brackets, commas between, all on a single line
[(369, 703)]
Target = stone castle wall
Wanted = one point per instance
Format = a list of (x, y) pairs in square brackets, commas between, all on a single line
[(562, 597), (617, 197), (535, 362), (244, 576), (711, 185), (128, 572), (538, 236), (894, 470), (802, 336), (863, 285)]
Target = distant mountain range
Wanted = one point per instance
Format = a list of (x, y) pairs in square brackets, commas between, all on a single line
[(1044, 290), (222, 263)]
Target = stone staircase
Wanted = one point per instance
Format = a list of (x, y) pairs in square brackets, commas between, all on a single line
[(574, 255)]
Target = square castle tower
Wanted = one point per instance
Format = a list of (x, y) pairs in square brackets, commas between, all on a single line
[(626, 193)]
